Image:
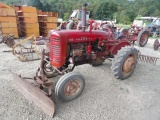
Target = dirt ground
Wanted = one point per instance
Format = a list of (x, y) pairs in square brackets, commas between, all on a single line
[(104, 97)]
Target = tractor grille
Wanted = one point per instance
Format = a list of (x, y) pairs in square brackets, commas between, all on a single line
[(56, 39), (55, 50)]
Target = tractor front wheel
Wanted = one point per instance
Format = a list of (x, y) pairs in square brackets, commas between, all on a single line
[(143, 38), (124, 62), (69, 86)]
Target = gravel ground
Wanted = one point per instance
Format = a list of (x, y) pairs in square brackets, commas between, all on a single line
[(104, 97)]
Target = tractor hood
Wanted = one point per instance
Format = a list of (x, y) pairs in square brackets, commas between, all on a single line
[(79, 36)]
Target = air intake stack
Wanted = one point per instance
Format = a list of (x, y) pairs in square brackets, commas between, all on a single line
[(84, 16)]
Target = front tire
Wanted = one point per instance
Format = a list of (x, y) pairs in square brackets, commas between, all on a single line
[(143, 38), (124, 62), (69, 86)]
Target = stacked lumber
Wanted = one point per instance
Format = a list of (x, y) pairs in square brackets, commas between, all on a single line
[(47, 21), (27, 21), (8, 23)]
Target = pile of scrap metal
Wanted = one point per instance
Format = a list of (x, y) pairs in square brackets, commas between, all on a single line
[(28, 49), (9, 40)]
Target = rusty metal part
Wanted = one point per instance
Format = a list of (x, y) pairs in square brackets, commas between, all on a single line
[(98, 61), (148, 59), (34, 94), (49, 71), (72, 88), (27, 50), (129, 64), (9, 40), (77, 52), (156, 44)]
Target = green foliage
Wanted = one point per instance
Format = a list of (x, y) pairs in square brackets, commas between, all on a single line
[(124, 10), (66, 16), (37, 4), (105, 10)]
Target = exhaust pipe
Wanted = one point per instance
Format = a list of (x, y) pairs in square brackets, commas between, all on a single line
[(84, 16)]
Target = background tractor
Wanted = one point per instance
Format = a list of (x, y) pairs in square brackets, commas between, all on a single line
[(74, 21)]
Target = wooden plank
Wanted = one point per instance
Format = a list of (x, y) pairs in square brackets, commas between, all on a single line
[(8, 19), (3, 12), (11, 12), (51, 25), (13, 30), (31, 30), (29, 19), (24, 14), (4, 19), (4, 24), (52, 19), (5, 30), (13, 25), (12, 19), (7, 24), (30, 25), (29, 34), (28, 9)]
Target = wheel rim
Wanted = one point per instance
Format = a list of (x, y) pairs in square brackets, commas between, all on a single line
[(72, 88), (129, 64), (144, 38)]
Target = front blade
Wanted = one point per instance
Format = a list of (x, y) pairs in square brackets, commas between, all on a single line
[(34, 94)]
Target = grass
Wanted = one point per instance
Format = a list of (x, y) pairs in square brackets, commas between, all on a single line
[(123, 26)]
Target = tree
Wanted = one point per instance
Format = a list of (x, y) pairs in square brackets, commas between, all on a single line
[(66, 16), (106, 10), (37, 4)]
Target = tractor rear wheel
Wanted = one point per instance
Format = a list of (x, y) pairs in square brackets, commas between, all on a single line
[(69, 86), (143, 38), (124, 62)]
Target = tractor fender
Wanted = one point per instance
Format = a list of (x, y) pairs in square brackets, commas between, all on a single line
[(118, 46)]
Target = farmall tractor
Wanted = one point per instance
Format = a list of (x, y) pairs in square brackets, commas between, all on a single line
[(132, 35), (70, 48)]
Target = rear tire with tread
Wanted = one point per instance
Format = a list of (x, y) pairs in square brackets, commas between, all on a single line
[(142, 41), (124, 62)]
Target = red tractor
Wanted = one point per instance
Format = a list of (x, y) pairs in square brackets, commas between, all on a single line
[(70, 48), (134, 34)]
